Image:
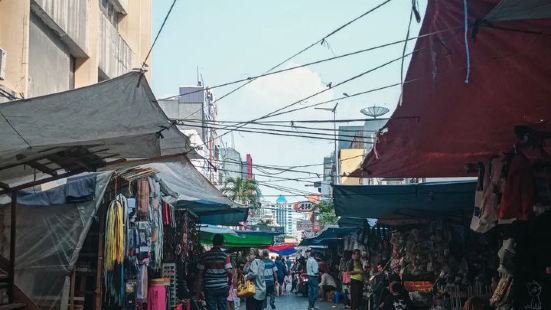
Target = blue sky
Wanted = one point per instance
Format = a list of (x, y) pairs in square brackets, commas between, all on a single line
[(229, 40)]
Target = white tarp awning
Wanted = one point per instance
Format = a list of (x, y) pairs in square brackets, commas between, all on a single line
[(188, 188), (83, 129)]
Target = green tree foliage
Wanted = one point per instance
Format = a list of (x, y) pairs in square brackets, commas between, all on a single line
[(242, 191), (327, 214)]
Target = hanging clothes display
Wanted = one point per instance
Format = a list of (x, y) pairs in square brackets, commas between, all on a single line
[(488, 195), (518, 196), (114, 254), (144, 236), (143, 196)]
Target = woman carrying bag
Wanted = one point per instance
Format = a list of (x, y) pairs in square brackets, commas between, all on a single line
[(254, 272)]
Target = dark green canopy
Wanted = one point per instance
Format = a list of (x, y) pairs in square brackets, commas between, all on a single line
[(240, 239), (421, 200)]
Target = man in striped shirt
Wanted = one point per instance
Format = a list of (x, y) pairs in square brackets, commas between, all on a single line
[(270, 275), (215, 274)]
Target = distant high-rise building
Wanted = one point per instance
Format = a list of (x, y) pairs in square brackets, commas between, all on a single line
[(195, 107), (328, 176), (231, 165), (283, 216)]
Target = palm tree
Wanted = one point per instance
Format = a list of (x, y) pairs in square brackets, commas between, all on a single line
[(242, 191)]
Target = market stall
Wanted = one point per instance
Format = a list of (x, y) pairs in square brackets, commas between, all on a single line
[(52, 227), (478, 76), (422, 238), (111, 239), (80, 130)]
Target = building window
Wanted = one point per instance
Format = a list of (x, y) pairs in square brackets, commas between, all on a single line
[(110, 12)]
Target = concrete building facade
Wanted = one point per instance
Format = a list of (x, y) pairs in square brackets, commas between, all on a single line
[(49, 46), (231, 165), (195, 108)]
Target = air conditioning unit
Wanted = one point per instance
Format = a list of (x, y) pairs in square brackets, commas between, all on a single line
[(3, 63)]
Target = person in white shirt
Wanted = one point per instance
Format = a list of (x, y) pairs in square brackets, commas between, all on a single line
[(254, 271), (327, 284), (312, 270)]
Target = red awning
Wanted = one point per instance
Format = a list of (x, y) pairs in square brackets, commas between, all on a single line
[(281, 247), (445, 123)]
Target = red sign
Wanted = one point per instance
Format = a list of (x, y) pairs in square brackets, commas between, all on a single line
[(304, 206), (249, 160)]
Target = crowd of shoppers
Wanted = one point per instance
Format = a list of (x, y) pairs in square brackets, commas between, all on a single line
[(342, 280), (218, 280)]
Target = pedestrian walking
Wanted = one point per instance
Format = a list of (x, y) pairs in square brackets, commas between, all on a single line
[(345, 277), (215, 274), (233, 299), (312, 270), (281, 273), (254, 271), (355, 270), (288, 274), (270, 277)]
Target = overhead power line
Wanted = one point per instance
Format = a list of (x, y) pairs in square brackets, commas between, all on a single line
[(273, 132), (357, 76), (297, 179), (261, 167), (309, 132), (300, 121), (158, 34), (291, 126), (280, 171), (316, 62), (288, 189), (277, 113), (323, 39), (271, 114), (293, 167)]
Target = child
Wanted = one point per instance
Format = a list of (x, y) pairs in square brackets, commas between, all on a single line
[(233, 300)]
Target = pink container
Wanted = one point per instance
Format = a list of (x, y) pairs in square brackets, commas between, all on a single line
[(156, 297)]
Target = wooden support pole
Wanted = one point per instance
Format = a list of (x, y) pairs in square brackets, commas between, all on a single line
[(72, 291), (99, 267), (11, 271)]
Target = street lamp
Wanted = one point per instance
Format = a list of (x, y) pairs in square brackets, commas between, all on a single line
[(334, 110)]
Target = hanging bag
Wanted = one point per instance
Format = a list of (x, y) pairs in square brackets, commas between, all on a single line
[(487, 196), (246, 289)]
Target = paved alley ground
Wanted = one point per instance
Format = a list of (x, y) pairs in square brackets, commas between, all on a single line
[(292, 302)]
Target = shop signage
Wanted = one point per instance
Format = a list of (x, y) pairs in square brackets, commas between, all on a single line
[(308, 234), (304, 206), (304, 225)]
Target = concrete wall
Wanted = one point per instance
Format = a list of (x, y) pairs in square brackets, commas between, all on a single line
[(138, 17), (49, 61), (114, 55), (76, 23), (14, 39), (350, 160), (65, 17)]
